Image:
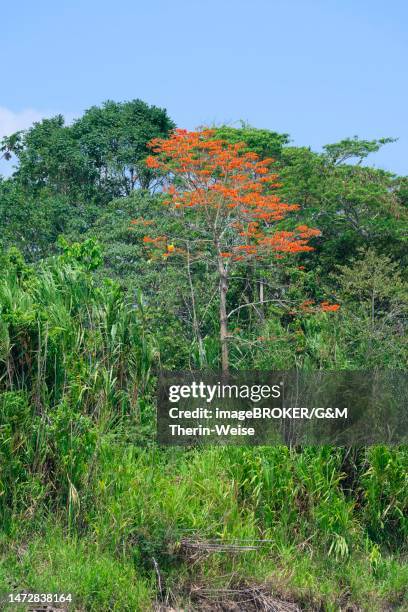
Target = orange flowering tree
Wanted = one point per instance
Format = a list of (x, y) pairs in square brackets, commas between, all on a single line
[(225, 200)]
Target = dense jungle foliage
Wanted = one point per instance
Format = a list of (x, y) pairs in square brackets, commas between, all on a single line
[(89, 504)]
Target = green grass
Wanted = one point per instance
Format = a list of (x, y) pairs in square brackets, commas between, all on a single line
[(53, 562), (142, 503)]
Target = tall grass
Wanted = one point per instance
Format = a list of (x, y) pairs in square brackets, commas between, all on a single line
[(74, 360)]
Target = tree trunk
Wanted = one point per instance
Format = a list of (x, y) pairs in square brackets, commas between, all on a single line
[(261, 299), (223, 316), (196, 326)]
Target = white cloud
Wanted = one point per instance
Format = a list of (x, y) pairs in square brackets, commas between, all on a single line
[(11, 121)]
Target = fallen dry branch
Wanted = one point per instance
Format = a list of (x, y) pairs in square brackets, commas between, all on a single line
[(248, 598), (216, 546)]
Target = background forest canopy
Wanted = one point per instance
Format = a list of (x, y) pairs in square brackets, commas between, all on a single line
[(83, 193)]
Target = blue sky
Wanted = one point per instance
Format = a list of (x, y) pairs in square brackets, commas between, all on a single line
[(320, 70)]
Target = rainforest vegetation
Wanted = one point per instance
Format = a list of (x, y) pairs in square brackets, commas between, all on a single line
[(114, 266)]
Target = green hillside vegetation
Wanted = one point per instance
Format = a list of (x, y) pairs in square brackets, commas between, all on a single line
[(89, 503)]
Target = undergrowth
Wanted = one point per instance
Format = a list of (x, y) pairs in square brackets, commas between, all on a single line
[(90, 505)]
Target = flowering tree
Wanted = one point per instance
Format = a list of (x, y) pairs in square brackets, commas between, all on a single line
[(225, 200)]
